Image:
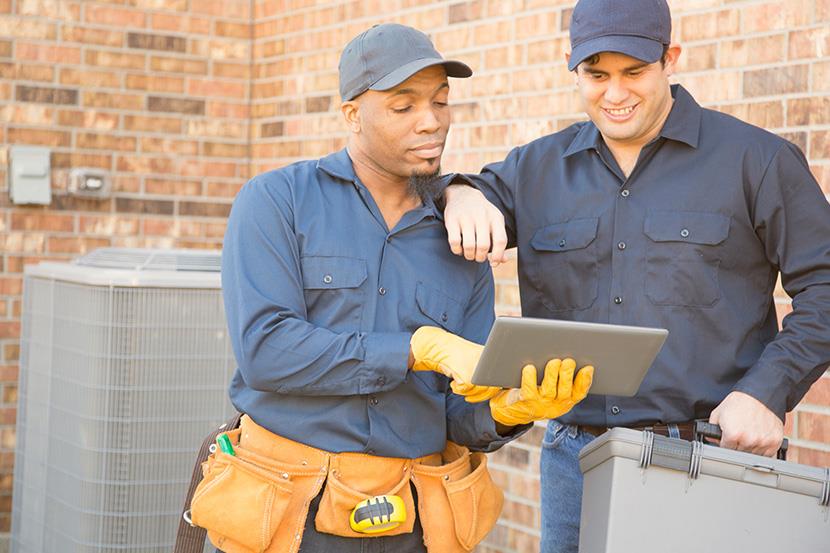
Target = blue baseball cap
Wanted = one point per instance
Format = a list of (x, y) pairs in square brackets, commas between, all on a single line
[(385, 56), (636, 28)]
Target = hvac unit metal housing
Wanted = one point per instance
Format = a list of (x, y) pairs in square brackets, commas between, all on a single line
[(125, 362)]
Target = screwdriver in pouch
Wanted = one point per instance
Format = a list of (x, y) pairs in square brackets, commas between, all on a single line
[(225, 444)]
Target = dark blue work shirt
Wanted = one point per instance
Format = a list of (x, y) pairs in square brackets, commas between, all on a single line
[(322, 300), (692, 241)]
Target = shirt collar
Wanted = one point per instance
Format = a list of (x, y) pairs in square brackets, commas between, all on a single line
[(339, 165), (682, 125)]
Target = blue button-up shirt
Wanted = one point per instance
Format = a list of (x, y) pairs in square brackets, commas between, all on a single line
[(321, 300), (692, 241)]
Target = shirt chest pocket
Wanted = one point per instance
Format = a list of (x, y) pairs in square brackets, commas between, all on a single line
[(436, 308), (683, 256), (562, 266), (333, 289)]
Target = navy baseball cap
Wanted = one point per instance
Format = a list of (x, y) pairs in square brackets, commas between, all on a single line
[(636, 28), (385, 56)]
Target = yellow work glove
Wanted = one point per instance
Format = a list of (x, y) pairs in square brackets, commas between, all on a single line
[(557, 394), (435, 349)]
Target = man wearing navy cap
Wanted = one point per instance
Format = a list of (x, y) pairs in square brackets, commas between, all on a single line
[(353, 326), (659, 213)]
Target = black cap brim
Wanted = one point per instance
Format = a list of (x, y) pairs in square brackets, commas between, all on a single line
[(454, 68), (643, 49)]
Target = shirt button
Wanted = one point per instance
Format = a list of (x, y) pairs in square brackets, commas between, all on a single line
[(615, 410), (370, 451), (382, 291), (381, 380), (562, 243), (374, 400), (444, 317), (621, 245), (625, 193), (684, 233), (388, 239), (327, 279), (618, 300)]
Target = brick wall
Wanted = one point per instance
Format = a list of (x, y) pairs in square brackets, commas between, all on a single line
[(181, 100)]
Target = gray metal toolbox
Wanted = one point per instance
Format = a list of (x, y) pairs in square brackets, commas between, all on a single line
[(651, 494)]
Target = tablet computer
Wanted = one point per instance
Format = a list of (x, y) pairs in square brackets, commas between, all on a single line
[(621, 355)]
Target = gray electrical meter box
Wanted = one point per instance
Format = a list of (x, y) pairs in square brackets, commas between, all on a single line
[(29, 175)]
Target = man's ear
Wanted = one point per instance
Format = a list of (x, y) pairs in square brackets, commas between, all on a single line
[(351, 113), (672, 55)]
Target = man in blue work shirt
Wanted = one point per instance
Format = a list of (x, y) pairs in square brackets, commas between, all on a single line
[(659, 213), (346, 310)]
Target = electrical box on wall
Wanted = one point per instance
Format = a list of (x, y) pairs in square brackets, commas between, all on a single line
[(30, 175)]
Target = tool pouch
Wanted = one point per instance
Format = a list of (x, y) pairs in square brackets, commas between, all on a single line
[(240, 502), (354, 477), (457, 501), (257, 501)]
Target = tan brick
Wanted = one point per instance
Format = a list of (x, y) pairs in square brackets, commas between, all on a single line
[(64, 10), (810, 43), (43, 221), (118, 101), (814, 427), (168, 145), (204, 209), (108, 225), (753, 51), (822, 13), (180, 23), (96, 141), (149, 41), (821, 77), (47, 53), (75, 244), (778, 15), (808, 456), (465, 11), (169, 187), (46, 95), (232, 29), (11, 286), (237, 9), (768, 115), (89, 78), (28, 114), (820, 147), (706, 90), (776, 81), (41, 137), (220, 49), (121, 60), (808, 111), (5, 6), (27, 28), (117, 17), (547, 51), (216, 88), (819, 393), (9, 329), (5, 48), (144, 164), (81, 159), (150, 207), (206, 128), (222, 189), (126, 183), (170, 125), (174, 5), (710, 25), (179, 105), (158, 227), (492, 33), (178, 65), (87, 35), (155, 83), (232, 70), (195, 168)]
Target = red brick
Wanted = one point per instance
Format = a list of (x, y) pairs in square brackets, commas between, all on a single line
[(109, 225), (778, 15), (9, 373), (819, 393), (155, 83), (180, 23), (144, 164), (121, 60), (169, 145), (823, 14), (11, 352), (96, 141), (173, 187), (5, 48), (769, 115), (170, 125), (11, 286), (90, 78), (820, 145), (43, 221), (231, 29), (75, 244), (222, 189), (232, 70), (27, 28), (214, 87), (808, 456), (814, 427), (751, 51), (9, 329), (47, 53), (178, 65), (116, 17), (810, 43), (87, 35), (132, 102), (776, 81), (808, 111), (821, 77), (64, 10), (39, 136), (158, 227), (709, 25), (29, 114)]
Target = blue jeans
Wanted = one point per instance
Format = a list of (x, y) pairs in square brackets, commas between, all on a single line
[(561, 483)]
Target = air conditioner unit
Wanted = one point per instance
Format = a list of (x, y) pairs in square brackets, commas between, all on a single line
[(125, 362)]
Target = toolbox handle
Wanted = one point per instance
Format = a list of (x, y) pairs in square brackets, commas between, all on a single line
[(704, 429)]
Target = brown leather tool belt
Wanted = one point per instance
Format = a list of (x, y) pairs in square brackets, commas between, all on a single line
[(257, 500)]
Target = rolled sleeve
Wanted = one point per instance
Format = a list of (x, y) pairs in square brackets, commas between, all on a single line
[(385, 361)]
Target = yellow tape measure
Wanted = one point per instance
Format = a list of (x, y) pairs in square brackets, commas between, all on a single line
[(378, 514)]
